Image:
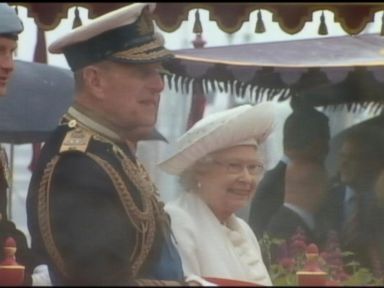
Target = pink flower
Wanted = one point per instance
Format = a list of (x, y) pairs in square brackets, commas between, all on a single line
[(287, 263)]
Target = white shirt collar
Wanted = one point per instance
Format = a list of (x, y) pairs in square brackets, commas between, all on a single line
[(285, 159), (349, 193)]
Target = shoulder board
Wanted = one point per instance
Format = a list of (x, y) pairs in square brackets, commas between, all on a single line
[(76, 139)]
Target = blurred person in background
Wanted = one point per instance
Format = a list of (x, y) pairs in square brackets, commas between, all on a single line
[(306, 136)]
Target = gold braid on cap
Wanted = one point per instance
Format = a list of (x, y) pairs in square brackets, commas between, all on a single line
[(144, 52), (143, 220)]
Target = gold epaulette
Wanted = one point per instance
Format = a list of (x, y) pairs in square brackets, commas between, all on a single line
[(76, 139)]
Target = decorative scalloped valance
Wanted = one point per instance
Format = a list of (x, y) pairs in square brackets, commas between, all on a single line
[(353, 17)]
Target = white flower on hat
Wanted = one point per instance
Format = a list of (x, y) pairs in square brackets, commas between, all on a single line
[(241, 125)]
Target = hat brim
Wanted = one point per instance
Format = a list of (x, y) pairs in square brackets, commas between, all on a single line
[(221, 131)]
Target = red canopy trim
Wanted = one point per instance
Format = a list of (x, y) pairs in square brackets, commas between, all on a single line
[(169, 16)]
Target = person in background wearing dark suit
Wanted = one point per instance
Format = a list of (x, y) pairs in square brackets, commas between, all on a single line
[(305, 136), (351, 207), (305, 189)]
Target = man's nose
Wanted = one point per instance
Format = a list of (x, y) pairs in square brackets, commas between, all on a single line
[(157, 82), (7, 63)]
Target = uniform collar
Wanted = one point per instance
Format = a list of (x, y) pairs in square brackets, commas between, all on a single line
[(91, 121)]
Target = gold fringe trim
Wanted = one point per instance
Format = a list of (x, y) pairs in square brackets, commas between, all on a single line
[(145, 55), (144, 52), (44, 219), (155, 44), (143, 220)]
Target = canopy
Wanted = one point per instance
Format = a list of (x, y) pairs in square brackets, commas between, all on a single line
[(327, 70), (292, 17)]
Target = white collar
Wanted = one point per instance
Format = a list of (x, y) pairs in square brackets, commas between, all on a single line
[(285, 159), (349, 193)]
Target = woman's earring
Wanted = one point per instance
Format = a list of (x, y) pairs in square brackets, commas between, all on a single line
[(198, 185)]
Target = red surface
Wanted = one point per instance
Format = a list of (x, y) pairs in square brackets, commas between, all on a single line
[(169, 16), (229, 282)]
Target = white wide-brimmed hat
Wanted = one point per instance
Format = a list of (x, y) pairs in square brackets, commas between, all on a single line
[(221, 130)]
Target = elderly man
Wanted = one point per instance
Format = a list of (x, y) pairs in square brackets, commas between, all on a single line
[(93, 212)]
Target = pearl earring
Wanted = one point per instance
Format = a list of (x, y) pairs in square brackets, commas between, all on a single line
[(198, 185)]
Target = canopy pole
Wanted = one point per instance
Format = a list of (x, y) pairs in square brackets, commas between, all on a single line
[(10, 183)]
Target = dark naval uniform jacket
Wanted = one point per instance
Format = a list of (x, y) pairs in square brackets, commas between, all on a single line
[(94, 214)]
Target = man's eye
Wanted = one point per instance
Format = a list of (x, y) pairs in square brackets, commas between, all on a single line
[(235, 166), (147, 72), (253, 167)]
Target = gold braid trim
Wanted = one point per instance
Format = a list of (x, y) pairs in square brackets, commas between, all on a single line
[(144, 55), (44, 219), (141, 179), (136, 216), (144, 222), (144, 52)]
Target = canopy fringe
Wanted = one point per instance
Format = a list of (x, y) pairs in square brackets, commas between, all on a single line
[(258, 90), (382, 25), (260, 27), (77, 20), (323, 30)]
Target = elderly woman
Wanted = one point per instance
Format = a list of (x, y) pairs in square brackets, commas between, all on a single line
[(219, 164)]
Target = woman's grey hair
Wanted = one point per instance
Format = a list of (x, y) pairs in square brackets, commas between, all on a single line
[(79, 81), (188, 177)]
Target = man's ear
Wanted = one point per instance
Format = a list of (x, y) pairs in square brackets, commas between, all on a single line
[(94, 81)]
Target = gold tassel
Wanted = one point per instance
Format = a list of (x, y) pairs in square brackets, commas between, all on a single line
[(197, 27), (323, 30), (260, 27), (77, 21), (382, 25)]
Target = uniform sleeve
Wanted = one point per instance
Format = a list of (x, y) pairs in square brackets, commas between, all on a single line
[(92, 232), (184, 230)]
